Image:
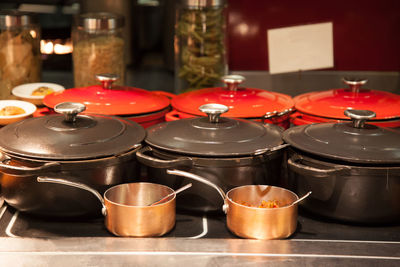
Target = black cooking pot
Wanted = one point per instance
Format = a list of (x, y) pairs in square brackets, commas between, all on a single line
[(353, 169), (228, 152), (95, 150)]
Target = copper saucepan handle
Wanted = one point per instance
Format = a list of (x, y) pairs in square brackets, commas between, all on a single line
[(42, 179), (204, 181)]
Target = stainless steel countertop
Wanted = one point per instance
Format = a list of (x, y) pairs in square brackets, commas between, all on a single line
[(113, 251)]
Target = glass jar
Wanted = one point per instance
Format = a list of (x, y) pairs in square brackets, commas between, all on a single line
[(19, 51), (98, 47), (200, 44)]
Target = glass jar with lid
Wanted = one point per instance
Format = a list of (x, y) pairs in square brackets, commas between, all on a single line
[(200, 44), (19, 50), (98, 47)]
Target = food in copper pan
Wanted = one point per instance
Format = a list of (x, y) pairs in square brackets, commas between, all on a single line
[(43, 90), (263, 204), (11, 111)]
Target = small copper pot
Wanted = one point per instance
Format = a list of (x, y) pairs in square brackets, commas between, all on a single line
[(254, 222), (127, 209)]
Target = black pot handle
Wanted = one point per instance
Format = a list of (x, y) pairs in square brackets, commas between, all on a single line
[(298, 167), (161, 163), (24, 170)]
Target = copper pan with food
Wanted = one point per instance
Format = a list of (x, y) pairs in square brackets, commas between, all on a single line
[(256, 211), (96, 150)]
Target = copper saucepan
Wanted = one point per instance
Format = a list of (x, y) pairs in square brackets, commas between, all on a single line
[(129, 208), (243, 216)]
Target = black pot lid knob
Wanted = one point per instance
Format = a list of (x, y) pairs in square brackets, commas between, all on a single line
[(355, 83), (232, 81), (359, 116), (213, 111), (70, 110), (107, 79)]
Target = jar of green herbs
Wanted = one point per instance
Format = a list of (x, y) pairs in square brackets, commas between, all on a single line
[(200, 44)]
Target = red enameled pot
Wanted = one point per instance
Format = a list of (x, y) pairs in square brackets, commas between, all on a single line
[(139, 105), (329, 105), (244, 103)]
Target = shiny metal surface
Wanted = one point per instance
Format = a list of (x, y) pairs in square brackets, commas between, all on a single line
[(261, 223), (203, 252), (128, 213)]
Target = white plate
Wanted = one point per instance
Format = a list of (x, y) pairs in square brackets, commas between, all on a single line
[(27, 106), (24, 91)]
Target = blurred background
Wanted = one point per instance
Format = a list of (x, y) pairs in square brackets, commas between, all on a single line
[(366, 40)]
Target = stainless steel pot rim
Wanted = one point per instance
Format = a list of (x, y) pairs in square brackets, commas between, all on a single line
[(117, 187)]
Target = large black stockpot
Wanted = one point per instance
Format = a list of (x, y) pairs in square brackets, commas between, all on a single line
[(353, 169), (228, 152), (95, 150)]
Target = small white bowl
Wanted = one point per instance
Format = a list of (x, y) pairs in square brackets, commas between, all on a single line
[(24, 91), (27, 106)]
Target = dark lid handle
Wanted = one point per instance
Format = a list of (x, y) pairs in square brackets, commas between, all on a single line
[(213, 111), (232, 81), (359, 116), (107, 79), (355, 84), (70, 110)]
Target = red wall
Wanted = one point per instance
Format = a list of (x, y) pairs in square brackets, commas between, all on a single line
[(366, 34)]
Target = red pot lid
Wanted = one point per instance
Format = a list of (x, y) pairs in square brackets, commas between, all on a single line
[(333, 103), (242, 102), (110, 100)]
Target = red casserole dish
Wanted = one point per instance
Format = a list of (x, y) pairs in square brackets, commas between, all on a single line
[(144, 107), (245, 103), (329, 105)]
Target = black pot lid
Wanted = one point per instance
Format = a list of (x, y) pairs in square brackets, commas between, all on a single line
[(214, 135), (71, 136), (356, 141)]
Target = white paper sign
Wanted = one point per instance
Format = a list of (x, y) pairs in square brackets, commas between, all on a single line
[(306, 47)]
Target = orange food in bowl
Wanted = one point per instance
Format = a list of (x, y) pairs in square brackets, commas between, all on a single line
[(11, 111), (43, 90)]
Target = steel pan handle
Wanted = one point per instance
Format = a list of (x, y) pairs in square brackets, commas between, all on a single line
[(161, 163), (42, 179), (204, 181), (300, 168)]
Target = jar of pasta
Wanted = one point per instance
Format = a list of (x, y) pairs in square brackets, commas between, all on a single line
[(200, 44), (98, 47), (19, 50)]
